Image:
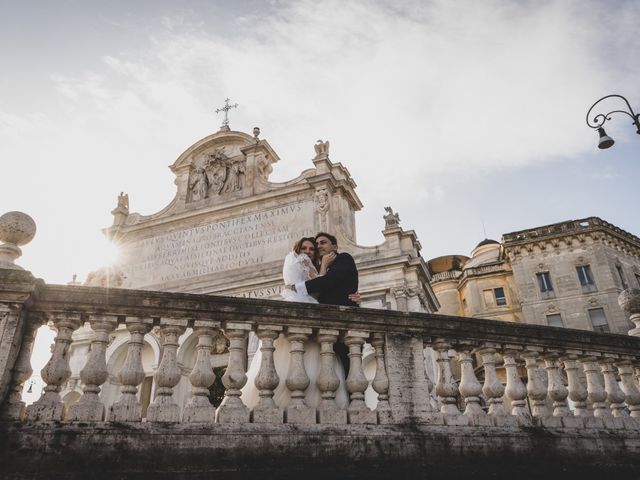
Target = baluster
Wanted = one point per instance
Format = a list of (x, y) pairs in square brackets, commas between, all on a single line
[(163, 408), (632, 394), (576, 387), (297, 379), (357, 383), (446, 388), (470, 387), (56, 372), (328, 381), (198, 407), (493, 389), (15, 408), (267, 380), (90, 408), (615, 396), (595, 393), (381, 381), (232, 409), (128, 408), (558, 393), (516, 391), (536, 383)]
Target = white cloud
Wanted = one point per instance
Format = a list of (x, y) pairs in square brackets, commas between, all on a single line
[(404, 93)]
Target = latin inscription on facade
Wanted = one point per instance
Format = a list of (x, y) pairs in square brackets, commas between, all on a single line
[(229, 244)]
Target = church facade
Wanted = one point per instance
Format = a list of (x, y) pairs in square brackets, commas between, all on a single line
[(568, 274)]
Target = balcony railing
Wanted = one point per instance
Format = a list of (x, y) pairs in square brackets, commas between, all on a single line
[(598, 373)]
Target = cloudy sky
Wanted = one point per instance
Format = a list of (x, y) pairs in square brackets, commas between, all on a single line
[(454, 113)]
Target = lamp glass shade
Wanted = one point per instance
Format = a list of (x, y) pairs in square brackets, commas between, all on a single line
[(605, 140)]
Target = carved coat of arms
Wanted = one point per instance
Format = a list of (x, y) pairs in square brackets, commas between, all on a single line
[(216, 175)]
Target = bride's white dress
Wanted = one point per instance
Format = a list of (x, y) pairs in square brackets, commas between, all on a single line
[(297, 268)]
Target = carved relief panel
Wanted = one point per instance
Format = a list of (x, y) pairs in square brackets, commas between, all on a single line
[(215, 174)]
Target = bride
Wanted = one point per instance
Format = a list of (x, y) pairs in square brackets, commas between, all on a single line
[(300, 265)]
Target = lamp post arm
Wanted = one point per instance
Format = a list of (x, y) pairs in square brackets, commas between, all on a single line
[(600, 119)]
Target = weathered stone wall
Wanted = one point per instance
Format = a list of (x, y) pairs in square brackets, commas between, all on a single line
[(315, 451)]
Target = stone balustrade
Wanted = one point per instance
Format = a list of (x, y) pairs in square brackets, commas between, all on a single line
[(510, 374), (508, 400)]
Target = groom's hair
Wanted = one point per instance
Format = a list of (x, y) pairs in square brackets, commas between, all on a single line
[(331, 238)]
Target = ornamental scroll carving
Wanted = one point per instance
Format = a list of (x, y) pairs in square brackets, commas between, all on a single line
[(322, 207), (322, 200), (217, 174)]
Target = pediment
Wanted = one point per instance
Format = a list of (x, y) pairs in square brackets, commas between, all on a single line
[(227, 142)]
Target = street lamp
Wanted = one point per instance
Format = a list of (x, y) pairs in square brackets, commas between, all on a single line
[(599, 120)]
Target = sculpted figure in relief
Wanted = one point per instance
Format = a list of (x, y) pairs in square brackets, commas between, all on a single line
[(263, 166), (216, 172), (235, 174), (198, 184), (391, 220)]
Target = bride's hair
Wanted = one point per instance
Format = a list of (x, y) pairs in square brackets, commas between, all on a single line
[(297, 247)]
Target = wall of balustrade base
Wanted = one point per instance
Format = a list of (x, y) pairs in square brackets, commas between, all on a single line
[(103, 450)]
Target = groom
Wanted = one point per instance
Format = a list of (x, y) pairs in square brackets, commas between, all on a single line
[(341, 278), (335, 286)]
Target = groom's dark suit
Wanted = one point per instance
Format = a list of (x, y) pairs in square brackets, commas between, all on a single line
[(335, 286)]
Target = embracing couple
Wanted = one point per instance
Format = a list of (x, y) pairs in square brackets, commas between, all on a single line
[(314, 272)]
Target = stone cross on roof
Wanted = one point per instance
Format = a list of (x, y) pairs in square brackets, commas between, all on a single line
[(225, 109)]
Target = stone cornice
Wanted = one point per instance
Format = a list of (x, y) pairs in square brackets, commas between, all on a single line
[(578, 230)]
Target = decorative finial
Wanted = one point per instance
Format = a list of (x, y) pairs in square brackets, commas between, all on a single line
[(225, 109), (322, 148), (256, 133), (16, 229), (391, 220)]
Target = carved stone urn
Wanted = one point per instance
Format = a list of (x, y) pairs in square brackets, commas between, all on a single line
[(629, 301), (16, 228)]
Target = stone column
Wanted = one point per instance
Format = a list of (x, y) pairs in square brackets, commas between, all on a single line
[(267, 380), (381, 381), (163, 408), (516, 391), (128, 407), (357, 383), (89, 408), (446, 388), (577, 389), (232, 409), (56, 372), (595, 393), (493, 389), (615, 396), (536, 384), (14, 408), (632, 394), (558, 393), (328, 382), (470, 387), (297, 379), (408, 383), (198, 408)]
